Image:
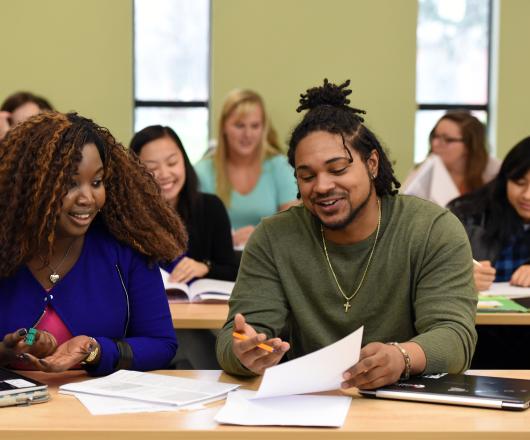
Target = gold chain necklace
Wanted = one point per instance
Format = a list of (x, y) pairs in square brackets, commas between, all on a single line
[(347, 304), (54, 276)]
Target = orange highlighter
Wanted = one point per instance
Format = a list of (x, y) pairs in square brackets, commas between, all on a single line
[(244, 338)]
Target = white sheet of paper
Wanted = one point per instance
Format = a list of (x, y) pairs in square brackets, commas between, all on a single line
[(151, 387), (432, 181), (307, 410), (488, 304), (100, 405), (507, 290), (318, 371), (443, 188)]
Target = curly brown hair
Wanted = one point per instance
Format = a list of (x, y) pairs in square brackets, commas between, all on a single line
[(38, 160)]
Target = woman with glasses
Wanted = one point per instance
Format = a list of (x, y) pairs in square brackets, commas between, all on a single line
[(459, 140)]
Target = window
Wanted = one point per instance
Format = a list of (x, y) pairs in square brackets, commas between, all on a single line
[(452, 66), (171, 64)]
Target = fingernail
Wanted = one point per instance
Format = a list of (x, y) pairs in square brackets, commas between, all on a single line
[(43, 362), (25, 356), (347, 376), (22, 332)]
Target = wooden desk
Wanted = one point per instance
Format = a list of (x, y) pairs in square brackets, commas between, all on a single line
[(198, 316), (503, 319), (64, 418), (213, 316)]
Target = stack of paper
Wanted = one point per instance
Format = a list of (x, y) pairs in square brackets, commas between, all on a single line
[(507, 290), (133, 391), (242, 408), (275, 403)]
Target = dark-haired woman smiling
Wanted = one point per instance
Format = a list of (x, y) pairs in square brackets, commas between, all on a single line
[(210, 252), (497, 220)]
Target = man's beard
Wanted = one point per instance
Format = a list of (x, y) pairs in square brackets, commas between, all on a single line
[(341, 224)]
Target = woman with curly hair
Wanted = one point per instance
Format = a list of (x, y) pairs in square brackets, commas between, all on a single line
[(83, 226), (247, 170)]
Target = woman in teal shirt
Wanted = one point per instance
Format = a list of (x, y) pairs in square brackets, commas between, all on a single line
[(248, 169)]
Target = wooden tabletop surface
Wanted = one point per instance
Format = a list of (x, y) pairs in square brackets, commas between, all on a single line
[(213, 316), (64, 417)]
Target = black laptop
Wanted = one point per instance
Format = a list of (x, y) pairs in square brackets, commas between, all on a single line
[(16, 389), (460, 389)]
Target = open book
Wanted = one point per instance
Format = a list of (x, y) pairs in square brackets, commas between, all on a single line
[(205, 290)]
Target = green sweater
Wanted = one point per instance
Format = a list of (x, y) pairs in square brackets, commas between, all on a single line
[(419, 286)]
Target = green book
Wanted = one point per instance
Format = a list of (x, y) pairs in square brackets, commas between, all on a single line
[(498, 304)]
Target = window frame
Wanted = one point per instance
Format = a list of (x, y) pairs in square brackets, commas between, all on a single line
[(442, 106), (168, 104)]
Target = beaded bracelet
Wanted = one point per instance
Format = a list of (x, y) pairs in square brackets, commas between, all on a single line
[(406, 357)]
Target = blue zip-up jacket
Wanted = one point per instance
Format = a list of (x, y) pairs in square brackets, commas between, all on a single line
[(110, 293)]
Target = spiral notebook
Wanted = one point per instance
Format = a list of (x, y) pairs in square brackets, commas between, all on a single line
[(460, 389)]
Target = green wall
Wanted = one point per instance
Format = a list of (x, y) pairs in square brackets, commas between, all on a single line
[(76, 53), (282, 47), (79, 55), (513, 93)]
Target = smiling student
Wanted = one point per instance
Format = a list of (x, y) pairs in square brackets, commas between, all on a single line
[(81, 232), (497, 221), (353, 254), (209, 252), (247, 170)]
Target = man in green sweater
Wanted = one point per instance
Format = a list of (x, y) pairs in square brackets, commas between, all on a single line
[(354, 254)]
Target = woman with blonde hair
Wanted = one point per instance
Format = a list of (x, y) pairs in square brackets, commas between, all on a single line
[(247, 170)]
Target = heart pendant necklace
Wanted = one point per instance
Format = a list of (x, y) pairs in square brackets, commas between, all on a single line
[(54, 276)]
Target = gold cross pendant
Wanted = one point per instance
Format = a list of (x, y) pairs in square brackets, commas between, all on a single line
[(347, 306)]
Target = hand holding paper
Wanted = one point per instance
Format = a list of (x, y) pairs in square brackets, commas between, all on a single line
[(277, 402), (379, 364), (321, 370)]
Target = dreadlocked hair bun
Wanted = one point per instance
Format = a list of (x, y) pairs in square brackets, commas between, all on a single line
[(328, 94)]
